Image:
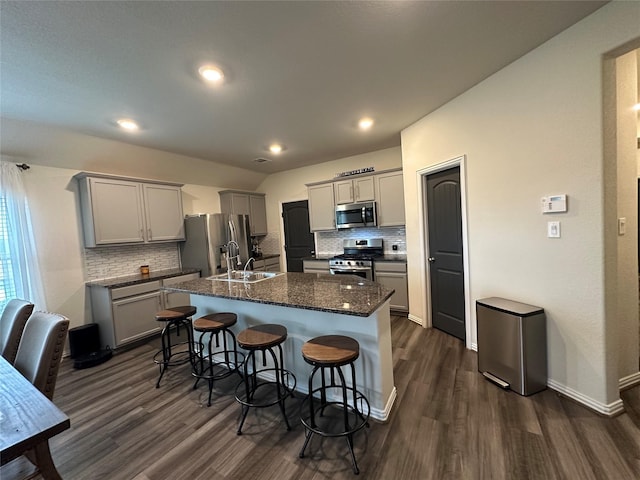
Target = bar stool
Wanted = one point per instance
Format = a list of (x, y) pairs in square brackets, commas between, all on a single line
[(264, 338), (328, 354), (174, 317), (220, 363)]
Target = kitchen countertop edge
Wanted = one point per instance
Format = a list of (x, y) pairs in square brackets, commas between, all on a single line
[(128, 280)]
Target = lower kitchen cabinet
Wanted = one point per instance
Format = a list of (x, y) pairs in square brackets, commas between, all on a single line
[(271, 264), (394, 275), (126, 314), (315, 266)]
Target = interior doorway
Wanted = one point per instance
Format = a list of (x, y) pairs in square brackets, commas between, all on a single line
[(445, 251), (298, 239)]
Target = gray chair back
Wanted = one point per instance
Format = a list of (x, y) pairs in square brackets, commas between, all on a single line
[(41, 348), (14, 317)]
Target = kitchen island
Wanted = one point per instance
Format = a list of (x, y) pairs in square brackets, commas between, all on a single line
[(309, 305)]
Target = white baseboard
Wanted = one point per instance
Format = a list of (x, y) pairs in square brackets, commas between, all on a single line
[(474, 347), (383, 415), (629, 381), (609, 410), (415, 319)]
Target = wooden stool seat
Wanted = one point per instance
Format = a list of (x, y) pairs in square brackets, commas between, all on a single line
[(168, 315), (331, 350), (214, 322), (187, 310), (262, 336)]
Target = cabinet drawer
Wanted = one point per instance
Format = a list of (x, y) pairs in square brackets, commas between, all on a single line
[(137, 289), (394, 267)]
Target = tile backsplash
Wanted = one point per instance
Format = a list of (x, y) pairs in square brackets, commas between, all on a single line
[(108, 262), (331, 243)]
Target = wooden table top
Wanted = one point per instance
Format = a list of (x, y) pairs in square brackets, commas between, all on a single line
[(27, 417)]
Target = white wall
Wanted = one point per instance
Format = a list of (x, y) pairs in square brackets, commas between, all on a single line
[(533, 129)]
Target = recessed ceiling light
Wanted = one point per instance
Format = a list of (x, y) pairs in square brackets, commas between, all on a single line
[(275, 148), (365, 123), (636, 107), (128, 124), (211, 74)]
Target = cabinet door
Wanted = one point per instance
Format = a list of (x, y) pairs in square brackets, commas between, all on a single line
[(232, 202), (322, 215), (272, 264), (390, 199), (397, 281), (344, 192), (177, 299), (258, 214), (315, 266), (364, 190), (134, 317), (116, 212), (163, 208)]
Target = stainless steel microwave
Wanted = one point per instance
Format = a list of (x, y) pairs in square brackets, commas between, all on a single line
[(356, 215)]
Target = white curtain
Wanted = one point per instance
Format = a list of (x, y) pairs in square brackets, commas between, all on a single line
[(19, 271)]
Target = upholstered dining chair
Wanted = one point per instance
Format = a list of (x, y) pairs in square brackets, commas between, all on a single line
[(40, 350), (12, 322)]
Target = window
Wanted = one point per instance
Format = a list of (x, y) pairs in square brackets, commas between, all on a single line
[(7, 286)]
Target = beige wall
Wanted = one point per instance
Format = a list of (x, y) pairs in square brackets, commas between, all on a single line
[(533, 129)]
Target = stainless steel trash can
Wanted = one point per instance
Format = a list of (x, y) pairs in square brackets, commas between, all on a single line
[(512, 344)]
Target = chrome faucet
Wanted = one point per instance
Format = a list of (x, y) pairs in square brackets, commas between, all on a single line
[(229, 257), (244, 271)]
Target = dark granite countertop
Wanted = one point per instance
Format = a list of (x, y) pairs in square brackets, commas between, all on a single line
[(345, 294), (117, 282)]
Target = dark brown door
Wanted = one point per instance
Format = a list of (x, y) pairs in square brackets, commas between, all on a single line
[(298, 240), (445, 251)]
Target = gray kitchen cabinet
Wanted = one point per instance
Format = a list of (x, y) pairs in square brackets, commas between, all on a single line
[(120, 210), (163, 212), (394, 275), (321, 207), (354, 190), (390, 199), (126, 314), (246, 203), (315, 266), (176, 299)]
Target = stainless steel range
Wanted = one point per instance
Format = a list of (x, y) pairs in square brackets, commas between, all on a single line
[(357, 258)]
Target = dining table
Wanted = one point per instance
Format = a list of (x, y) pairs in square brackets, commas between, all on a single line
[(28, 419)]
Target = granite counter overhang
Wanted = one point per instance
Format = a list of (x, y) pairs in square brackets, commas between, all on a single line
[(117, 282), (343, 294)]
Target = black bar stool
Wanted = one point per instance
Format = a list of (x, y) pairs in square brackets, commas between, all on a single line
[(348, 412), (174, 317), (264, 338), (220, 363)]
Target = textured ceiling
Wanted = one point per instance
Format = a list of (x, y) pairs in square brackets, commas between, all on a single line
[(300, 73)]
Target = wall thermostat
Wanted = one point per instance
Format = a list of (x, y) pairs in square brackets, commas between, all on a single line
[(554, 204)]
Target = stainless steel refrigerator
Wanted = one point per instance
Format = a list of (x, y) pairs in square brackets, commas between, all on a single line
[(208, 236)]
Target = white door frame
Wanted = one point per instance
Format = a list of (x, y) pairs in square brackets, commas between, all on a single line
[(460, 161)]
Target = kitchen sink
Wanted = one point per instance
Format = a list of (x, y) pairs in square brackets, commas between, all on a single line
[(244, 276)]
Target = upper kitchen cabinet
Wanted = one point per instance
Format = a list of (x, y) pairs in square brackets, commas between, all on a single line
[(119, 210), (390, 199), (322, 209), (245, 203), (354, 190)]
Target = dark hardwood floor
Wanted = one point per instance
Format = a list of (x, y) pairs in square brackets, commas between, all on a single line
[(448, 422)]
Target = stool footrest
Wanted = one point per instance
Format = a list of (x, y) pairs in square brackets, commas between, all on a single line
[(328, 417)]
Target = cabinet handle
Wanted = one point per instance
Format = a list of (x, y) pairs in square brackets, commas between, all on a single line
[(149, 233)]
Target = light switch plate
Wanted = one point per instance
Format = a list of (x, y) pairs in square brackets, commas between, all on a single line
[(622, 225), (553, 229)]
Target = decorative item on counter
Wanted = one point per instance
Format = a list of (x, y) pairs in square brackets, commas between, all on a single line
[(144, 269)]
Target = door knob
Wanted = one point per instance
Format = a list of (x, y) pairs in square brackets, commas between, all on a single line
[(431, 259)]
